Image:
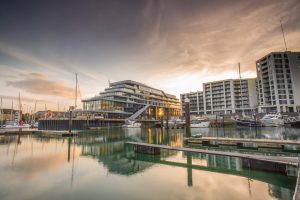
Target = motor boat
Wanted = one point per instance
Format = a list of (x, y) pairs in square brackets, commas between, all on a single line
[(131, 124), (272, 120), (247, 122), (200, 123), (15, 124)]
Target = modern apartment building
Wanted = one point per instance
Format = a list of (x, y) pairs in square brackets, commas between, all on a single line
[(278, 82), (196, 102), (230, 96), (223, 97), (124, 98)]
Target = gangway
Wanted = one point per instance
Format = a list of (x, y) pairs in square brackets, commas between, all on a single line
[(138, 113)]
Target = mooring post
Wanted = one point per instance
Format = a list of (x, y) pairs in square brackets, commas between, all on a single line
[(189, 169), (70, 121), (187, 118), (167, 120), (70, 118)]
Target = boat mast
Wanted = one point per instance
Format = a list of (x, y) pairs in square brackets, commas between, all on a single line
[(1, 112), (34, 109), (11, 111), (76, 92), (20, 108), (241, 93)]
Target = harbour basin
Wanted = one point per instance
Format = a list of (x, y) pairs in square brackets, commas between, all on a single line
[(99, 165)]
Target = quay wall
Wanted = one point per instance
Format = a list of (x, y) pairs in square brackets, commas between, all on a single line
[(83, 124)]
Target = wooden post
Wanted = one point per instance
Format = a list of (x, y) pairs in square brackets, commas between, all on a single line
[(187, 118), (70, 121), (189, 169), (167, 118)]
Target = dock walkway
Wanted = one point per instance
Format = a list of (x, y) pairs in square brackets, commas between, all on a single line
[(240, 140), (292, 161)]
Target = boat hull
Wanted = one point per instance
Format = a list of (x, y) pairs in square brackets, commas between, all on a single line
[(272, 122), (200, 125)]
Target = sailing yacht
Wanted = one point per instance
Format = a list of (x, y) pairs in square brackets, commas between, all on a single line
[(249, 121)]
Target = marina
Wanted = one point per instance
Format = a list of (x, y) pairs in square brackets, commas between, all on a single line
[(150, 100), (114, 147)]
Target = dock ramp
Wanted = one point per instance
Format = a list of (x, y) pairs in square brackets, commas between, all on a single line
[(138, 113)]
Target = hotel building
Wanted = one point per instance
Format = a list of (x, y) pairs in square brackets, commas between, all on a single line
[(130, 99), (278, 75)]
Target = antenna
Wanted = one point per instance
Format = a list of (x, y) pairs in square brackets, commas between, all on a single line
[(283, 34)]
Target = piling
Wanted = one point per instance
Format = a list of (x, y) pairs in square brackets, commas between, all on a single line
[(187, 118)]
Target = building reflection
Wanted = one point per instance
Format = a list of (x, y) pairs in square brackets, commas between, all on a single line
[(118, 157)]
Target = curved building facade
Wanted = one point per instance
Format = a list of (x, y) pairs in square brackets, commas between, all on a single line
[(125, 98)]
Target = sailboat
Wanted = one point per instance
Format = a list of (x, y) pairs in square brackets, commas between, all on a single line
[(14, 124)]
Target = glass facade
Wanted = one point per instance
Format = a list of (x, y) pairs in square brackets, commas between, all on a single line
[(127, 97)]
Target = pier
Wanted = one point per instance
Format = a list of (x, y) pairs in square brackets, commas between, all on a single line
[(291, 161), (258, 143)]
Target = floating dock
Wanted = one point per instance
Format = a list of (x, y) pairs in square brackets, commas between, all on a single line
[(291, 161), (17, 132), (258, 143)]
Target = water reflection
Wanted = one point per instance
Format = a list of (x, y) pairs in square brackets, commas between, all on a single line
[(40, 162)]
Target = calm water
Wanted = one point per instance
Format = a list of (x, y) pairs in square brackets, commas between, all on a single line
[(98, 165)]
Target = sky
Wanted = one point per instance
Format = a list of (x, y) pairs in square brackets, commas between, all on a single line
[(172, 45)]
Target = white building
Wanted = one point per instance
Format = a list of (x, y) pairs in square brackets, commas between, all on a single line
[(230, 96), (196, 102), (223, 97), (278, 76)]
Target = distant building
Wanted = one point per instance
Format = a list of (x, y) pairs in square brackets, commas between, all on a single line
[(196, 102), (124, 98), (278, 82), (223, 97), (8, 114), (230, 96)]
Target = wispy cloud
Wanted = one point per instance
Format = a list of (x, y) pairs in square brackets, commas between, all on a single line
[(37, 83)]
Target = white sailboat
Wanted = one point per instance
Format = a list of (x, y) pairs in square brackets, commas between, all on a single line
[(16, 124)]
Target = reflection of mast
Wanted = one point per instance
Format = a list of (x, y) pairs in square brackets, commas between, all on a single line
[(16, 149), (72, 177), (249, 187)]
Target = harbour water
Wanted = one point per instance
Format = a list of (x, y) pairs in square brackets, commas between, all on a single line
[(99, 165)]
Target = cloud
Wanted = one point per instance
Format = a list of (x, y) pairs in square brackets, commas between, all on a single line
[(27, 99), (37, 83)]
